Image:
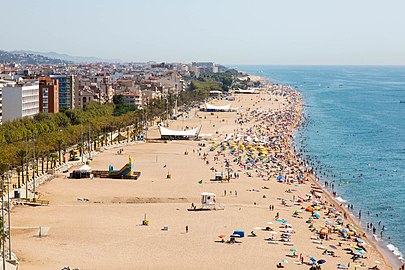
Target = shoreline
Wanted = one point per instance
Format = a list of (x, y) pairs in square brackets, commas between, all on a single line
[(389, 257)]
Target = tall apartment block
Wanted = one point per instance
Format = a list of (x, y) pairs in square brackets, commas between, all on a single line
[(20, 101), (48, 95), (66, 90)]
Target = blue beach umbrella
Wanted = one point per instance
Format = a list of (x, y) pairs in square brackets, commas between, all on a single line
[(281, 220)]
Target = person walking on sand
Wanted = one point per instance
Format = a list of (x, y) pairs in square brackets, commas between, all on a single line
[(186, 228)]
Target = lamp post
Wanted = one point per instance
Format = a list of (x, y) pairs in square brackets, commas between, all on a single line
[(34, 168), (3, 234), (26, 170), (81, 136), (9, 215)]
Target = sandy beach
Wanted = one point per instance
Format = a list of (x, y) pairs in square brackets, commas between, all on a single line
[(97, 223)]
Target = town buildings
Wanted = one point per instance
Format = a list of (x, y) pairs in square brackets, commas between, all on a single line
[(71, 86), (66, 90), (20, 101), (48, 95)]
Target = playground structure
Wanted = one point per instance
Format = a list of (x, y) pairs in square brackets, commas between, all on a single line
[(126, 172)]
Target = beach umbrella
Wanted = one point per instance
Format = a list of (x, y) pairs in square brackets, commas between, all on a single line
[(298, 211), (313, 260), (281, 220), (321, 261), (309, 209), (221, 236), (333, 246), (269, 222), (284, 261), (377, 262), (257, 228), (293, 250), (273, 232), (235, 235)]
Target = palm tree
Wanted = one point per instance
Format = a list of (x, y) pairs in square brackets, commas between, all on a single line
[(54, 158), (48, 154), (18, 170), (59, 143), (21, 155)]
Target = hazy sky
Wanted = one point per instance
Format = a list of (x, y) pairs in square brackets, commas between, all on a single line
[(223, 31)]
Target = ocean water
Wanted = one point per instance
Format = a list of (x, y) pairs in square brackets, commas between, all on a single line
[(355, 129)]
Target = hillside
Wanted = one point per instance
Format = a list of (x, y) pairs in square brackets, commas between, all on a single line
[(28, 58)]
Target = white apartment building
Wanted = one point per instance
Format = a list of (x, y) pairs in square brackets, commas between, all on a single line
[(20, 101), (3, 83)]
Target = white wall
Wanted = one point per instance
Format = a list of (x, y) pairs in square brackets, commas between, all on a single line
[(13, 101)]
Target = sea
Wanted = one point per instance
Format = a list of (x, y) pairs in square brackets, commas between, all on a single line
[(354, 131)]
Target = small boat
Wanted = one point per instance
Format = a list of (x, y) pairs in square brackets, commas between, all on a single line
[(402, 101)]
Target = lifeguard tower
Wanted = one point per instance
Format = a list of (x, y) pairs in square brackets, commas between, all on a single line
[(208, 200)]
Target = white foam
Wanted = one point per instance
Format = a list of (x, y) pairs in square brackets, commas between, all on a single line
[(340, 199), (395, 250)]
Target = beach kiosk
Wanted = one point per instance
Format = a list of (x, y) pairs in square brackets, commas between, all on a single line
[(168, 134), (212, 108), (83, 172), (208, 200)]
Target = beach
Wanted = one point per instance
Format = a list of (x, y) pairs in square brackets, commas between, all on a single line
[(97, 223)]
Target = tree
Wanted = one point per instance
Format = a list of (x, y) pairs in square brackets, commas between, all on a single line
[(53, 156), (59, 144), (21, 155)]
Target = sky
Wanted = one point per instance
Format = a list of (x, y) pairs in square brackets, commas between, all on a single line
[(270, 32)]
